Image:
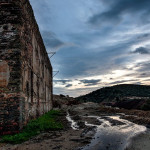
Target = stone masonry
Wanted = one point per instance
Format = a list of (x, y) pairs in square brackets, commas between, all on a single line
[(25, 68)]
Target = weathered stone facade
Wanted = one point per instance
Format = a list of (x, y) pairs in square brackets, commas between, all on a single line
[(25, 69)]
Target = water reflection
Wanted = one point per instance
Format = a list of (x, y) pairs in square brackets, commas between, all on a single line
[(73, 123), (113, 134)]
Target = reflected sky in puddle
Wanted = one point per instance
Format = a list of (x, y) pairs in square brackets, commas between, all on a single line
[(113, 134), (73, 123)]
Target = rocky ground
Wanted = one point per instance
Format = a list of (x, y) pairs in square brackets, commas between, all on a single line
[(80, 134), (58, 140), (67, 139)]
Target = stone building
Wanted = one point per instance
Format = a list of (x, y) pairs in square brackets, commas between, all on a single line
[(25, 68)]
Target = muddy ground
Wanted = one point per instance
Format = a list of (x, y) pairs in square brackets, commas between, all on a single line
[(140, 142), (70, 139)]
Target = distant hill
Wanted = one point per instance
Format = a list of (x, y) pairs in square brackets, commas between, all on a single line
[(136, 95), (61, 101)]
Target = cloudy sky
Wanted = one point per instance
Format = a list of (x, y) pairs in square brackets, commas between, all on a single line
[(97, 42)]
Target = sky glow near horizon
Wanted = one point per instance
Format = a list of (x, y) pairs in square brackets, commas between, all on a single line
[(98, 43)]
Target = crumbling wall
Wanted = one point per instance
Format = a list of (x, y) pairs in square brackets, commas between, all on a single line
[(25, 69), (10, 67), (36, 68)]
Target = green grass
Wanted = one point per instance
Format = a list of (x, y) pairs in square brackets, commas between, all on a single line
[(46, 122)]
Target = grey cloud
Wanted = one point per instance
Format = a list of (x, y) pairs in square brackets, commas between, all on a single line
[(79, 61), (94, 51), (51, 41), (122, 81), (62, 81), (144, 75), (90, 82), (142, 70), (68, 85), (141, 50), (105, 17), (144, 36), (74, 61), (120, 7), (143, 67), (131, 75)]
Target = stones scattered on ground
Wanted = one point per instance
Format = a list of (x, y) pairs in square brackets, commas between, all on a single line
[(88, 132), (76, 117), (81, 124)]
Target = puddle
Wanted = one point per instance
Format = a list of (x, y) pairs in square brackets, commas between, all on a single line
[(113, 134), (73, 123)]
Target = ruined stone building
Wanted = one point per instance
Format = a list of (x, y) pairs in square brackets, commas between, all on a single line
[(25, 68)]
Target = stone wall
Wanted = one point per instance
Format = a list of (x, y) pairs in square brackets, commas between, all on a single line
[(25, 69)]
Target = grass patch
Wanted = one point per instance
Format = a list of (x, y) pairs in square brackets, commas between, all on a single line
[(46, 122)]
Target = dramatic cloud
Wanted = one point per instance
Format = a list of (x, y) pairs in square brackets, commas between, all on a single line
[(142, 50), (119, 8), (104, 42)]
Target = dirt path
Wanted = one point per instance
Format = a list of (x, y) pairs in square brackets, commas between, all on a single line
[(63, 140), (83, 128), (67, 139)]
